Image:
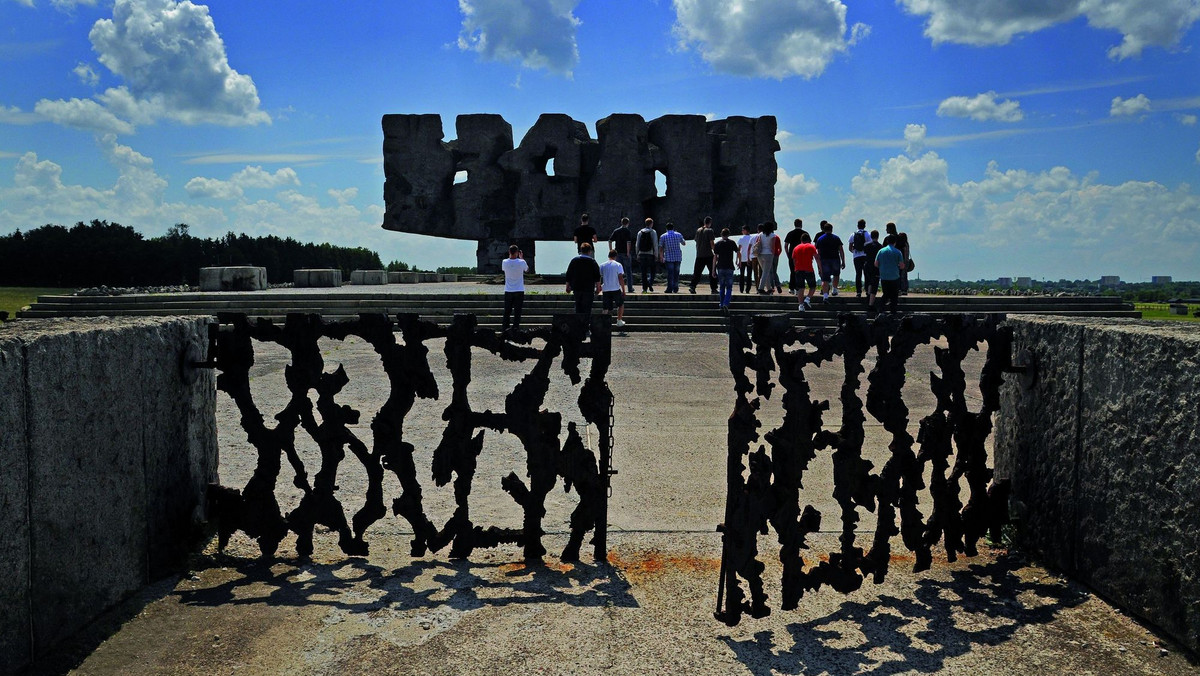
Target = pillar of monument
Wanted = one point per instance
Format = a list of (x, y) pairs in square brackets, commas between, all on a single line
[(490, 252)]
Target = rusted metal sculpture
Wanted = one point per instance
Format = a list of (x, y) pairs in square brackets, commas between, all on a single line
[(255, 511), (768, 495)]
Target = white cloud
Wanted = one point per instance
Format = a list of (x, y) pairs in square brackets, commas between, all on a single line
[(82, 114), (982, 107), (535, 33), (86, 74), (1128, 107), (343, 196), (1054, 220), (174, 65), (789, 193), (1142, 23), (914, 138), (1185, 119), (13, 115), (766, 38), (235, 187)]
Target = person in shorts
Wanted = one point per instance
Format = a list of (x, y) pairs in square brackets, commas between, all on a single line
[(804, 255), (833, 260), (612, 287)]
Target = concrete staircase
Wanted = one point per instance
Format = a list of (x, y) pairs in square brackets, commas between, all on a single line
[(682, 312)]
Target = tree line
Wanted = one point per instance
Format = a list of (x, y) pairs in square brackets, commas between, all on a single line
[(111, 254)]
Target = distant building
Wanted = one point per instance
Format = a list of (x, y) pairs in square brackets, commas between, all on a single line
[(1110, 280), (1004, 282), (1025, 282), (1160, 279)]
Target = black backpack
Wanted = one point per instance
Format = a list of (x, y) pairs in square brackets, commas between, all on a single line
[(645, 242), (858, 241)]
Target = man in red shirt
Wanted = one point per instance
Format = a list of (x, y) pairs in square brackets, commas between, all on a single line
[(803, 256)]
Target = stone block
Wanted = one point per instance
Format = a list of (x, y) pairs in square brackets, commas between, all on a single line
[(1102, 453), (368, 277), (15, 642), (403, 277), (317, 278), (484, 204), (447, 278), (430, 277), (1178, 309), (624, 174), (233, 278), (418, 170), (682, 152)]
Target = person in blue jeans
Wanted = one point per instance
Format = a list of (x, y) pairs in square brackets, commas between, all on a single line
[(725, 256), (670, 247)]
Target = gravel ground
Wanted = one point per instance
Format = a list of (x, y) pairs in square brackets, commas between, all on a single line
[(650, 611)]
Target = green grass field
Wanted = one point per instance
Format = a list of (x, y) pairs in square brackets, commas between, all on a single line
[(1160, 311), (13, 298)]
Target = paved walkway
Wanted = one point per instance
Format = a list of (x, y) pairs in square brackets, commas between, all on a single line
[(650, 611)]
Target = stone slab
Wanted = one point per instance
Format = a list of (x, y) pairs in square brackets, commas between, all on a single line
[(14, 508), (233, 278), (403, 277), (1102, 453), (369, 277), (317, 278)]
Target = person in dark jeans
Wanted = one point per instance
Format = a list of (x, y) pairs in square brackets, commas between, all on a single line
[(514, 268), (583, 279), (646, 245), (704, 256)]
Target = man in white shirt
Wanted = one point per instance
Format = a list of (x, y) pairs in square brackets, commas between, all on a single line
[(514, 268), (612, 290), (745, 261)]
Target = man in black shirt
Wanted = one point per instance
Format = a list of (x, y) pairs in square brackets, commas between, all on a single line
[(583, 279), (789, 243), (704, 255), (584, 234), (833, 259), (870, 272), (725, 256), (621, 241)]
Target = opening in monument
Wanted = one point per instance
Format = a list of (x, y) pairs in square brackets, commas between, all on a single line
[(550, 167), (660, 183), (460, 177)]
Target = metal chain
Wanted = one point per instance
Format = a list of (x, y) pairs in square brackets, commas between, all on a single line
[(612, 421)]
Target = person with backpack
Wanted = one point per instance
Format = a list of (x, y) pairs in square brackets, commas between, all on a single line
[(858, 247), (704, 256), (870, 272), (647, 253), (621, 241)]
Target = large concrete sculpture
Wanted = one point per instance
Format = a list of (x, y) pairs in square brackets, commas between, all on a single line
[(537, 190)]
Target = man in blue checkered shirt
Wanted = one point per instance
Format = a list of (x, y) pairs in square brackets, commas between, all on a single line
[(671, 255)]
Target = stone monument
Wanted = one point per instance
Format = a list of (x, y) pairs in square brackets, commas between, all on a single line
[(720, 168)]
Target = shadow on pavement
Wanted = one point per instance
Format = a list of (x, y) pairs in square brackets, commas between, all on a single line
[(986, 604), (360, 587)]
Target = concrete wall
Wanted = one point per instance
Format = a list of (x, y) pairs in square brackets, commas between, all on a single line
[(106, 448), (1103, 451)]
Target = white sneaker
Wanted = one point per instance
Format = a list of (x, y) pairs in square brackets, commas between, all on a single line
[(824, 297), (808, 303), (833, 292), (620, 323)]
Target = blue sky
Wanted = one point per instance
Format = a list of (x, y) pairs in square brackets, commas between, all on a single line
[(1009, 138)]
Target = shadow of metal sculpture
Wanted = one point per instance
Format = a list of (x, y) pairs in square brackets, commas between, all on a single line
[(766, 494), (569, 340)]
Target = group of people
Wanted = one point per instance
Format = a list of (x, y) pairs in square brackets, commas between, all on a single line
[(880, 267)]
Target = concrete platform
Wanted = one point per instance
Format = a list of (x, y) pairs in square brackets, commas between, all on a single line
[(647, 612)]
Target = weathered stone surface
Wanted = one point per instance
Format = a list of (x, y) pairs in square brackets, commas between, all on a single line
[(418, 171), (537, 191), (623, 181), (403, 277), (317, 278), (368, 277), (14, 508), (683, 153), (121, 445), (745, 162), (233, 278), (1105, 461)]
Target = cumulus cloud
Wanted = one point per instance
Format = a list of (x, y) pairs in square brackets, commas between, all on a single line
[(534, 33), (767, 38), (84, 114), (1142, 23), (982, 107), (1055, 220), (789, 193), (235, 188), (1129, 107), (86, 74), (1185, 119), (914, 138), (174, 64)]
